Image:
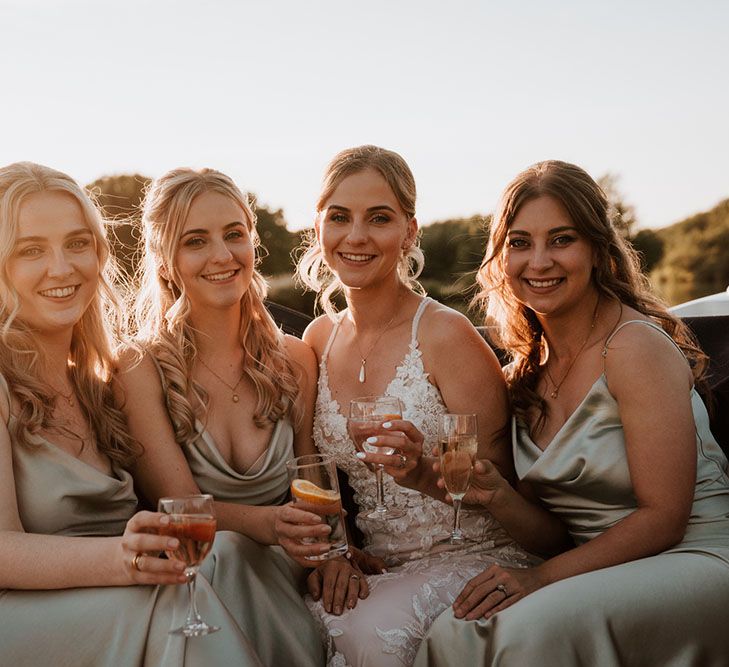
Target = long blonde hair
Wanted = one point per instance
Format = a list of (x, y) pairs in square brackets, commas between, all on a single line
[(616, 275), (162, 307), (311, 268), (91, 358)]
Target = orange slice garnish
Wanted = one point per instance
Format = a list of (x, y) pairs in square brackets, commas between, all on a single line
[(309, 492)]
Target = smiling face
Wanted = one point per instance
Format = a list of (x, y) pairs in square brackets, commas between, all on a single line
[(54, 266), (215, 254), (548, 263), (363, 231)]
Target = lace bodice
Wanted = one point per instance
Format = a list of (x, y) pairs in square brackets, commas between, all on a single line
[(426, 520)]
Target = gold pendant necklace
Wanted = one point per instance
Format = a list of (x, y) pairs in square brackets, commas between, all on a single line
[(235, 398), (363, 357), (556, 385), (68, 398)]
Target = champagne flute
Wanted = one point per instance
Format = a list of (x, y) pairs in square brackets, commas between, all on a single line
[(192, 522), (457, 447), (366, 414)]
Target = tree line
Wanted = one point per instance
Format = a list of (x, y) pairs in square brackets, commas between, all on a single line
[(684, 261)]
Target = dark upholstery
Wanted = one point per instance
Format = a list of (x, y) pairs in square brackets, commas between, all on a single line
[(291, 321), (712, 333)]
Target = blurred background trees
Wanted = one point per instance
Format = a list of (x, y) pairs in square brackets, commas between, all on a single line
[(684, 261)]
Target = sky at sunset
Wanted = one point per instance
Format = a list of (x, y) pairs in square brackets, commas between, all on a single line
[(468, 92)]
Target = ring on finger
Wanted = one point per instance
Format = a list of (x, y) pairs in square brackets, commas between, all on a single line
[(403, 461), (502, 589), (135, 562), (356, 577)]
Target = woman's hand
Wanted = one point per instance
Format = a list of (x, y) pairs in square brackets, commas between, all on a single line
[(404, 465), (368, 563), (139, 550), (292, 525), (336, 582), (495, 589), (486, 482)]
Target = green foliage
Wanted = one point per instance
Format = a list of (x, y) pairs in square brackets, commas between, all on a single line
[(695, 261), (650, 247), (120, 198), (685, 261)]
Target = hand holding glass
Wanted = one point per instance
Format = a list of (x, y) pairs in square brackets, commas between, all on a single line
[(365, 417), (192, 522), (315, 488), (457, 446)]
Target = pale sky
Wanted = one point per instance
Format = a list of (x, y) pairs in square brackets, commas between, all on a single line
[(469, 93)]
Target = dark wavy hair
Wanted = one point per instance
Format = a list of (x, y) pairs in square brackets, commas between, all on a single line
[(616, 275)]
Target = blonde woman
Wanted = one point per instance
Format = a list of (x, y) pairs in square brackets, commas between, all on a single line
[(391, 340), (221, 399), (75, 558), (621, 480)]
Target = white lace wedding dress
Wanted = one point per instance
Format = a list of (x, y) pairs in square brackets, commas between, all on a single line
[(422, 579)]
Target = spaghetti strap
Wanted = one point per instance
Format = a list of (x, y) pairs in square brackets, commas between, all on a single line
[(332, 336), (652, 325), (416, 320)]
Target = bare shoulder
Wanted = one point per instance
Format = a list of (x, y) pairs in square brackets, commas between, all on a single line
[(137, 376), (299, 351), (443, 329), (639, 354), (317, 333)]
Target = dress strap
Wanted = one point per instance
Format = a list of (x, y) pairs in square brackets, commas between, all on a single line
[(332, 336), (416, 320), (652, 325)]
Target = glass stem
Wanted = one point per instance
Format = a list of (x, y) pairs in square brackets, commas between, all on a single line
[(457, 519), (380, 506), (193, 616)]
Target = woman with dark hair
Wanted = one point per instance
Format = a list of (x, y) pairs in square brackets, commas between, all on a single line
[(621, 483)]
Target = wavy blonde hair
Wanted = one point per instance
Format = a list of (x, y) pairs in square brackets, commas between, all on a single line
[(91, 360), (162, 307), (311, 268), (616, 275)]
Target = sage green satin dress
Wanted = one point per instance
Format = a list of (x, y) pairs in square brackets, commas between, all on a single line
[(275, 616), (125, 626), (273, 610), (668, 610)]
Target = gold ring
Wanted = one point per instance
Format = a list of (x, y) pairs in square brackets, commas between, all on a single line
[(356, 577), (135, 562), (403, 461), (501, 588)]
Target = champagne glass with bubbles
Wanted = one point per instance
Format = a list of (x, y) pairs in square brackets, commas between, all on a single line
[(457, 447), (192, 522), (366, 414)]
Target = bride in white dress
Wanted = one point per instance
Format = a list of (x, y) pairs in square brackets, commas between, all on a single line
[(393, 341)]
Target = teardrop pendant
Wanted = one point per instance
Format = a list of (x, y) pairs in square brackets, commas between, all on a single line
[(554, 394), (362, 377), (235, 398)]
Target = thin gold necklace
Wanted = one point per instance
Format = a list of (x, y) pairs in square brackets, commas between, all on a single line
[(363, 357), (68, 398), (235, 397), (556, 385)]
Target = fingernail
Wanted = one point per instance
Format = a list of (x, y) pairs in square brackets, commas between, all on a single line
[(164, 520), (350, 604), (173, 543), (387, 425), (360, 455), (383, 570), (337, 610), (372, 439)]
